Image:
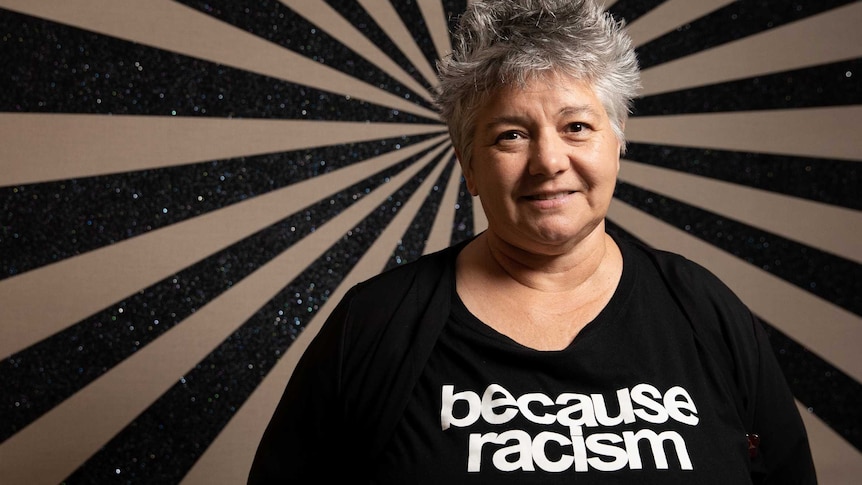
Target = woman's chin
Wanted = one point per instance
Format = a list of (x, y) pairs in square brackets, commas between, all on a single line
[(558, 238)]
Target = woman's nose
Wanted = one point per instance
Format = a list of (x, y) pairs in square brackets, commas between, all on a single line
[(549, 155)]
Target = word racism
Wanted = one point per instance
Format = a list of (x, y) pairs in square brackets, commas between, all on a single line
[(516, 449)]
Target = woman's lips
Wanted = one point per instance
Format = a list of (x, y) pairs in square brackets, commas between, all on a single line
[(549, 200), (550, 195)]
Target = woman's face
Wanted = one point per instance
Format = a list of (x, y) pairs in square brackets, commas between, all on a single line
[(544, 163)]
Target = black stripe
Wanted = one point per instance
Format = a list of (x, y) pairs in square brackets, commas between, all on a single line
[(354, 13), (463, 227), (413, 19), (54, 68), (453, 9), (833, 84), (827, 392), (834, 182), (47, 222), (630, 10), (41, 376), (275, 22), (162, 444), (828, 276), (735, 21)]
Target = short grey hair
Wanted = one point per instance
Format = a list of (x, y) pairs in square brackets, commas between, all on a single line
[(499, 42)]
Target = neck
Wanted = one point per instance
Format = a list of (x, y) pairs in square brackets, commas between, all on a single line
[(563, 269)]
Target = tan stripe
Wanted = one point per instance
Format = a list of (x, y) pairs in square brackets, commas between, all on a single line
[(62, 439), (441, 230), (823, 328), (670, 15), (326, 18), (829, 228), (811, 132), (438, 27), (828, 37), (44, 147), (80, 286), (836, 461), (174, 27), (390, 22)]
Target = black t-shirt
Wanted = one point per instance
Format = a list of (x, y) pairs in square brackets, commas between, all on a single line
[(661, 387), (635, 398)]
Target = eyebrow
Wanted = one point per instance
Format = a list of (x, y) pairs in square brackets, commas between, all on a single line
[(520, 119), (578, 109)]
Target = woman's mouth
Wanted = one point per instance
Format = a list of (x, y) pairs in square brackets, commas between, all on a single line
[(549, 196)]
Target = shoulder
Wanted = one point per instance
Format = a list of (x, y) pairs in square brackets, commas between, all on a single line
[(715, 312), (401, 295), (682, 275), (385, 328), (725, 328), (720, 321), (417, 277)]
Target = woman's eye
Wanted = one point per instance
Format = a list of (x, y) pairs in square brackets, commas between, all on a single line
[(577, 127), (508, 136)]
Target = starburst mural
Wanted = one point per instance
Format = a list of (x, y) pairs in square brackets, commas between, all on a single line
[(189, 186)]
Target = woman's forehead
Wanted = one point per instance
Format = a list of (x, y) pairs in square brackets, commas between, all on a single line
[(562, 95)]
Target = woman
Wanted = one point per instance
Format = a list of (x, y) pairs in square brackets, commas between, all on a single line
[(543, 350)]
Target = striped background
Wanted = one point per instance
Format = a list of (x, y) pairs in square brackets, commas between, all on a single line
[(187, 185)]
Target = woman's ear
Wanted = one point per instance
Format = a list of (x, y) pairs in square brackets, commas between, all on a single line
[(621, 147), (467, 171), (620, 152)]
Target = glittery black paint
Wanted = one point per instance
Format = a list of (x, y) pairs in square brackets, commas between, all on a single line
[(274, 21), (412, 18), (54, 68), (354, 13), (828, 276), (50, 67), (630, 10), (833, 84), (80, 215), (736, 20), (826, 391), (412, 243), (833, 182), (41, 376), (453, 9), (165, 441), (463, 227)]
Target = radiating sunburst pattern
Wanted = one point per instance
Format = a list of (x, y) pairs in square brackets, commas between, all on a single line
[(189, 186)]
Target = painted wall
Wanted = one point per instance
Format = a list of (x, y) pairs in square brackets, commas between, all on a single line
[(187, 185)]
